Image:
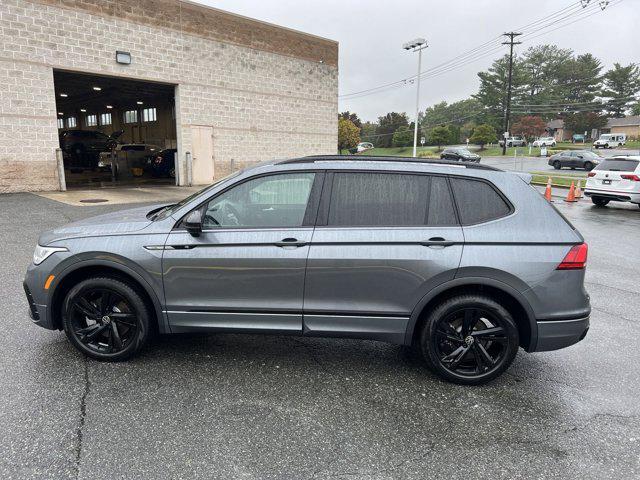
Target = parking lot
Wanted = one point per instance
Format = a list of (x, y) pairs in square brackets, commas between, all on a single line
[(244, 406)]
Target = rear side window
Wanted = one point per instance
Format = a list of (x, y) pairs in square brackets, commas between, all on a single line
[(378, 199), (478, 201), (618, 165), (389, 199)]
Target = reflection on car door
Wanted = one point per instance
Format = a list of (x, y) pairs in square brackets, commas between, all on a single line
[(382, 241), (246, 269)]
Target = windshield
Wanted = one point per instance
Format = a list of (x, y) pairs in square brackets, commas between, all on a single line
[(618, 165), (169, 209), (464, 151)]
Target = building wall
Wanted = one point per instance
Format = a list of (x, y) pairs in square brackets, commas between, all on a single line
[(632, 131), (267, 91)]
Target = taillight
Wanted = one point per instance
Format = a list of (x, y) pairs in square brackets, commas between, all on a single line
[(633, 178), (576, 259), (591, 174)]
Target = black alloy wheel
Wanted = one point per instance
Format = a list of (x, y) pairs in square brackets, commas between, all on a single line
[(469, 340), (106, 319)]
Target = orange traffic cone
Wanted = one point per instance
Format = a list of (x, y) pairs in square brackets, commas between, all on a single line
[(571, 196), (578, 190), (547, 192)]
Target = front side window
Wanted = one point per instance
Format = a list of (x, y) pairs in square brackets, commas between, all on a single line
[(478, 201), (263, 202)]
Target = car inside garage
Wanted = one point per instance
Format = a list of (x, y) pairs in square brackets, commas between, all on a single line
[(115, 131)]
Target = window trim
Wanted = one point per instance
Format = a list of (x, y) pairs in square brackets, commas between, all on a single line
[(322, 220), (310, 214)]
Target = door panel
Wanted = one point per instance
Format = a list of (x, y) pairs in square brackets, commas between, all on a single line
[(381, 272), (243, 271)]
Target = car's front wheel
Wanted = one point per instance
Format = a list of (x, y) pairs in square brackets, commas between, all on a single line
[(106, 319), (469, 339), (556, 164)]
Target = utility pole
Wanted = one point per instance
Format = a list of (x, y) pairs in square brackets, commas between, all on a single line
[(416, 45), (507, 113)]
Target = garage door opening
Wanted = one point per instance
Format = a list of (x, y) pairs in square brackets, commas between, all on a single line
[(115, 131)]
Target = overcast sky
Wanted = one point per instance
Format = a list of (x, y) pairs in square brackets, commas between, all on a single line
[(371, 34)]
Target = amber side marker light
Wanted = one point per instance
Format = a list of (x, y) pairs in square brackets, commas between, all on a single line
[(576, 259), (47, 284)]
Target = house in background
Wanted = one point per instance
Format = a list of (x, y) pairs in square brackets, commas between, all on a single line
[(628, 125)]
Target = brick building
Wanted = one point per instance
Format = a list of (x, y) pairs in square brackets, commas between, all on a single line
[(228, 89)]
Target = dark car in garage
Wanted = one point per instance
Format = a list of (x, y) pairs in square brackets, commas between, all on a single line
[(162, 164), (585, 159), (81, 148)]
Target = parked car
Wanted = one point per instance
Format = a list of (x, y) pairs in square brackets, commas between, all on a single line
[(464, 261), (127, 156), (610, 140), (545, 142), (81, 148), (460, 154), (577, 138), (514, 142), (162, 164), (575, 159), (364, 146), (616, 179)]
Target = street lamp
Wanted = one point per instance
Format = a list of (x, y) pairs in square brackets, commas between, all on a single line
[(416, 45)]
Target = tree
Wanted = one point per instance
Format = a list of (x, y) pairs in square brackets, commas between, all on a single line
[(584, 122), (403, 137), (348, 134), (353, 117), (529, 126), (635, 109), (542, 67), (483, 134), (621, 84), (581, 81), (387, 125), (439, 135), (368, 132)]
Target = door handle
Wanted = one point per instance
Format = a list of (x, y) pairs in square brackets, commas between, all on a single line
[(437, 242), (290, 242)]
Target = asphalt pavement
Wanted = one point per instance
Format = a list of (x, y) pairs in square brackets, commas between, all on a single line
[(245, 406)]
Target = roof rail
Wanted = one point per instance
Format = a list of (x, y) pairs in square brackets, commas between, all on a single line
[(371, 158)]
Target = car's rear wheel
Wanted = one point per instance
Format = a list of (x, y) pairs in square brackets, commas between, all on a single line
[(470, 339), (599, 201), (556, 164), (105, 319), (588, 166)]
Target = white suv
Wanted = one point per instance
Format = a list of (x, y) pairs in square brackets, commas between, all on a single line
[(545, 142), (610, 140), (615, 179)]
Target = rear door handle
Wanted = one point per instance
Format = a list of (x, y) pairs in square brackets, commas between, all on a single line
[(290, 242), (437, 242)]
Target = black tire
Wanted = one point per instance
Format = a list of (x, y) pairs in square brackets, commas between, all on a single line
[(453, 333), (599, 201), (106, 319), (557, 165), (588, 166)]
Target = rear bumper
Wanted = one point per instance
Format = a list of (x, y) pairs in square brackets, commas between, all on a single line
[(556, 334), (616, 195)]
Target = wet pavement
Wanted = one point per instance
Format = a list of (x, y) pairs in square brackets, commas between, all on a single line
[(245, 406)]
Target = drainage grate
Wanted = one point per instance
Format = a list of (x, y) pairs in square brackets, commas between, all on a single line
[(94, 200)]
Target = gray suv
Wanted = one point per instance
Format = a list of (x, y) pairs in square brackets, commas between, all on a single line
[(462, 261)]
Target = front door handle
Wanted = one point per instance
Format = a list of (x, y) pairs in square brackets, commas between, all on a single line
[(290, 242), (437, 242)]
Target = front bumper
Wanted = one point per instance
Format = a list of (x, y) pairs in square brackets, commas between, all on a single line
[(556, 334)]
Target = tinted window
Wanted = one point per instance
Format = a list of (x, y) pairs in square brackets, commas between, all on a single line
[(477, 201), (362, 199), (271, 201), (441, 210), (618, 165)]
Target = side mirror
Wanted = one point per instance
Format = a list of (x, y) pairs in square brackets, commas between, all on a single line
[(193, 223)]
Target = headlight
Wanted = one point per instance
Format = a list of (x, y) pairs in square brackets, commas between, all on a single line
[(42, 253)]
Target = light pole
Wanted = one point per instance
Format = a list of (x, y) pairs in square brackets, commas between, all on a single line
[(416, 45)]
